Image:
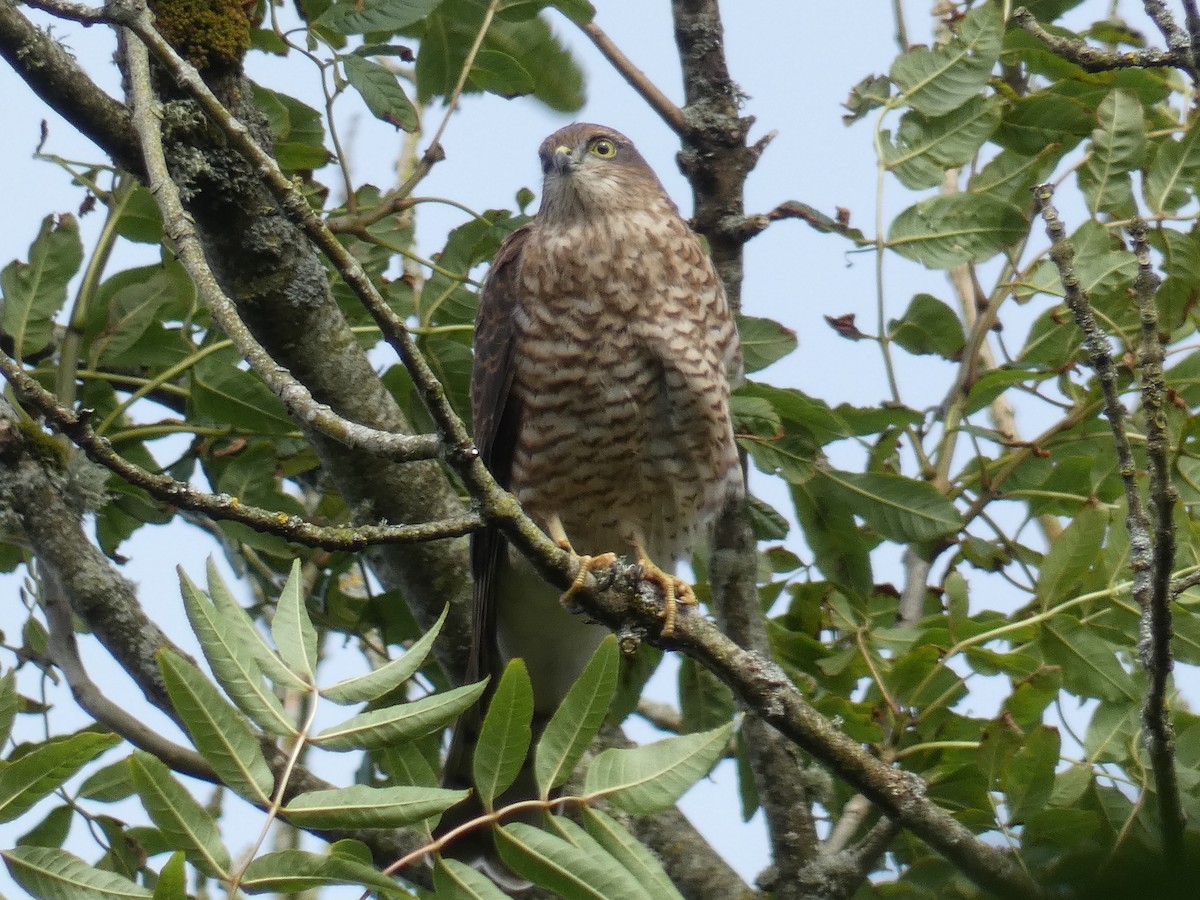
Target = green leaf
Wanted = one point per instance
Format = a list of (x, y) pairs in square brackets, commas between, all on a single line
[(231, 611), (929, 326), (704, 700), (219, 733), (925, 148), (293, 630), (1118, 145), (358, 16), (500, 74), (1028, 779), (1009, 175), (952, 229), (940, 80), (51, 831), (8, 704), (457, 881), (1089, 663), (136, 299), (50, 872), (362, 806), (643, 780), (630, 853), (232, 661), (172, 880), (764, 341), (402, 722), (25, 781), (1071, 555), (294, 871), (901, 509), (1042, 120), (34, 291), (381, 91), (297, 129), (840, 550), (108, 784), (505, 734), (568, 870), (387, 677), (185, 824), (231, 397), (1173, 171), (578, 718)]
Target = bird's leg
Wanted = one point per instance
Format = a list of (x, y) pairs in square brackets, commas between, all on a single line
[(675, 590), (558, 534)]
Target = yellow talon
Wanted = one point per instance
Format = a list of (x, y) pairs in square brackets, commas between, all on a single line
[(586, 564), (676, 591)]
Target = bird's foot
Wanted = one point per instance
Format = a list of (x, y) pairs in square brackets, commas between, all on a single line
[(586, 564), (676, 591)]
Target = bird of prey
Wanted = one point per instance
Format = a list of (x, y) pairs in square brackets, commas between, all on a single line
[(603, 349)]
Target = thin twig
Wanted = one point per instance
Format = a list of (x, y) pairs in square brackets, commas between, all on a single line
[(1154, 642), (64, 9), (435, 151), (637, 79)]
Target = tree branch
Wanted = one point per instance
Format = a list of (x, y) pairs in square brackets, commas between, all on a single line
[(58, 79), (717, 161), (222, 506), (1094, 59), (1154, 641), (636, 79), (1151, 557)]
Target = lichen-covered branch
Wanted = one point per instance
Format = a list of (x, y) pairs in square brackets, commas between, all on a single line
[(222, 506), (1154, 639), (717, 161), (1151, 555), (1095, 59)]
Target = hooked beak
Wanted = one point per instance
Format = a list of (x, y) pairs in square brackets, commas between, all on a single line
[(560, 161)]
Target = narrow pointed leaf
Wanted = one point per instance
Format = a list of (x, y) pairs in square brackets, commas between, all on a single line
[(582, 838), (362, 806), (25, 781), (577, 719), (185, 824), (647, 779), (458, 881), (50, 872), (293, 631), (293, 871), (402, 722), (899, 508), (8, 704), (219, 733), (231, 611), (381, 92), (377, 683), (629, 852), (551, 862), (232, 662), (505, 735), (350, 17), (172, 880)]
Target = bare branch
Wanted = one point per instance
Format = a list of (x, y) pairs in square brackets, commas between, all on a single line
[(636, 78)]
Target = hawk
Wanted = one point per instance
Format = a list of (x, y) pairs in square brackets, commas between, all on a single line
[(600, 393)]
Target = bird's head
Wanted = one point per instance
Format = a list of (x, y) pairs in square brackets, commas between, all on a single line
[(591, 169)]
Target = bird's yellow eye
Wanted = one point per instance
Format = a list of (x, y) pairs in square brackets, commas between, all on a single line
[(603, 148)]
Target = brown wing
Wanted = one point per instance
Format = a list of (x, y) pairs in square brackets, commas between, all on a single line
[(497, 416)]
